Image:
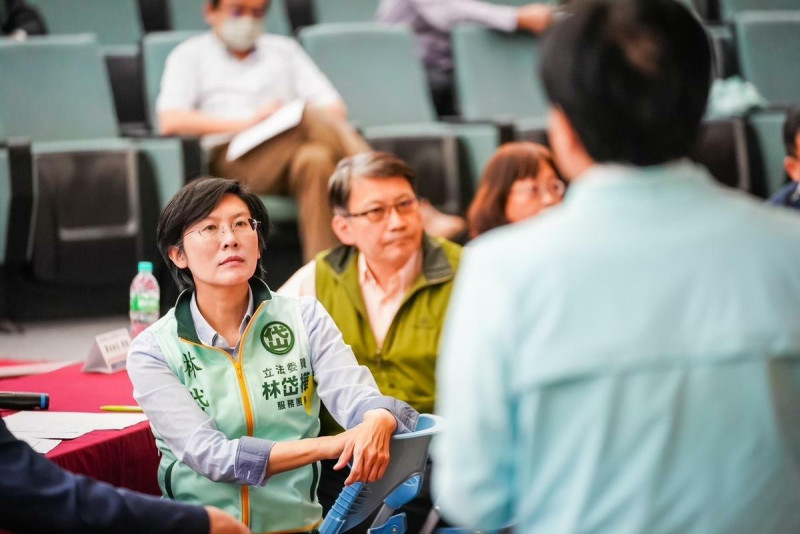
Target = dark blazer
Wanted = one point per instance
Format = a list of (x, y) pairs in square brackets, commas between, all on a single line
[(38, 496)]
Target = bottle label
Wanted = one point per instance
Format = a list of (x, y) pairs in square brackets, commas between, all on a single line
[(144, 303)]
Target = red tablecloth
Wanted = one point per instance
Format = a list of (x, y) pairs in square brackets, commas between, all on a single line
[(126, 458)]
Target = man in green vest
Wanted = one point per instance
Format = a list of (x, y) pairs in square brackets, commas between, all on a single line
[(387, 288)]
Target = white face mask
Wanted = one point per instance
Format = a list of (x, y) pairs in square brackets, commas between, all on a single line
[(240, 33)]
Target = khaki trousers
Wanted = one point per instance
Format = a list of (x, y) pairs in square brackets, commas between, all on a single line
[(299, 163)]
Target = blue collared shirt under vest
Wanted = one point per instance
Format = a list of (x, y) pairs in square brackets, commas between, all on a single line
[(627, 362)]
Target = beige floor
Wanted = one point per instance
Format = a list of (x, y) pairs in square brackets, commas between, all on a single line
[(56, 340)]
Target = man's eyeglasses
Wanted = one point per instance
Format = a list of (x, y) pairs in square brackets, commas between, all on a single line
[(241, 11), (380, 213), (239, 227)]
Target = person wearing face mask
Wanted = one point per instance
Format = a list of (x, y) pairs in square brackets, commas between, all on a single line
[(231, 78)]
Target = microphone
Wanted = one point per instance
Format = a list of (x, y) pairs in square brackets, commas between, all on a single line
[(13, 400)]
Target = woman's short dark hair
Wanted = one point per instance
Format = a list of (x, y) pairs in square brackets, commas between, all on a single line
[(511, 162), (632, 77), (364, 165), (193, 203)]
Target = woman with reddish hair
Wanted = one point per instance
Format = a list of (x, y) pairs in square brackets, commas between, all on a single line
[(520, 180)]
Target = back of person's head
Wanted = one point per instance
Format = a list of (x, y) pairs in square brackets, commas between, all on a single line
[(631, 76), (791, 127), (194, 202), (364, 165), (511, 162)]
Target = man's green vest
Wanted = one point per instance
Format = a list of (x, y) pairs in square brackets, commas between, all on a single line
[(266, 392), (404, 367)]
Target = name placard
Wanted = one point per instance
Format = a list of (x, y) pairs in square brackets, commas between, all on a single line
[(109, 352)]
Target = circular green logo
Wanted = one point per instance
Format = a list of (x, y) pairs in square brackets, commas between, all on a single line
[(277, 338)]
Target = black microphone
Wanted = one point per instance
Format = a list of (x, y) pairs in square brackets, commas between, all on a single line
[(13, 400)]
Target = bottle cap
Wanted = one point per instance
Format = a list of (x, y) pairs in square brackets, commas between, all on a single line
[(145, 267)]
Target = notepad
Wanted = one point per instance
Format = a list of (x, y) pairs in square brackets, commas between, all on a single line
[(282, 120)]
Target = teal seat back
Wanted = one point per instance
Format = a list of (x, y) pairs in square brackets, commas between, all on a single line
[(55, 88), (769, 48), (189, 15), (497, 74), (155, 49), (328, 11), (115, 22), (730, 8), (375, 69), (768, 149)]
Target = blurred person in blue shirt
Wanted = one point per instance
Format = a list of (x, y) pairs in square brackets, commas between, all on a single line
[(629, 360), (789, 195)]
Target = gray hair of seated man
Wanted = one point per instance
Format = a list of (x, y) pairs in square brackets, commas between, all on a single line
[(365, 165)]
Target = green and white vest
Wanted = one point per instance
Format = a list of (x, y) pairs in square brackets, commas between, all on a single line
[(267, 392)]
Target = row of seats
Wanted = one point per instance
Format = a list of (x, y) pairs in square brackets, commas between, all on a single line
[(64, 80), (119, 29), (123, 22)]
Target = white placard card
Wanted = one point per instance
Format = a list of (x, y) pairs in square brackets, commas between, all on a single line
[(109, 352)]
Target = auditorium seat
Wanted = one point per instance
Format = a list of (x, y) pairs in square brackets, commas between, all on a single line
[(327, 11), (767, 150), (189, 15), (722, 148), (115, 22), (5, 207), (497, 77), (118, 29), (96, 194), (730, 8), (769, 48), (375, 69), (723, 47), (13, 237)]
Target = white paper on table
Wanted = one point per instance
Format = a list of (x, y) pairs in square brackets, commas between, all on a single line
[(284, 119), (41, 445), (54, 424), (25, 435), (33, 368)]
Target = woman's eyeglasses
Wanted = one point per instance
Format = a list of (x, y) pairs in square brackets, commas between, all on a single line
[(555, 188), (239, 227)]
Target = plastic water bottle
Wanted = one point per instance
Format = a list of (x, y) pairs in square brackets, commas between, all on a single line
[(145, 298)]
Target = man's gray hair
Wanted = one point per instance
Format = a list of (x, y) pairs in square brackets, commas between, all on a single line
[(365, 165)]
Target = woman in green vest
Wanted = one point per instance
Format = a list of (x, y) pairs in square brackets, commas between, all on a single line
[(232, 377)]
